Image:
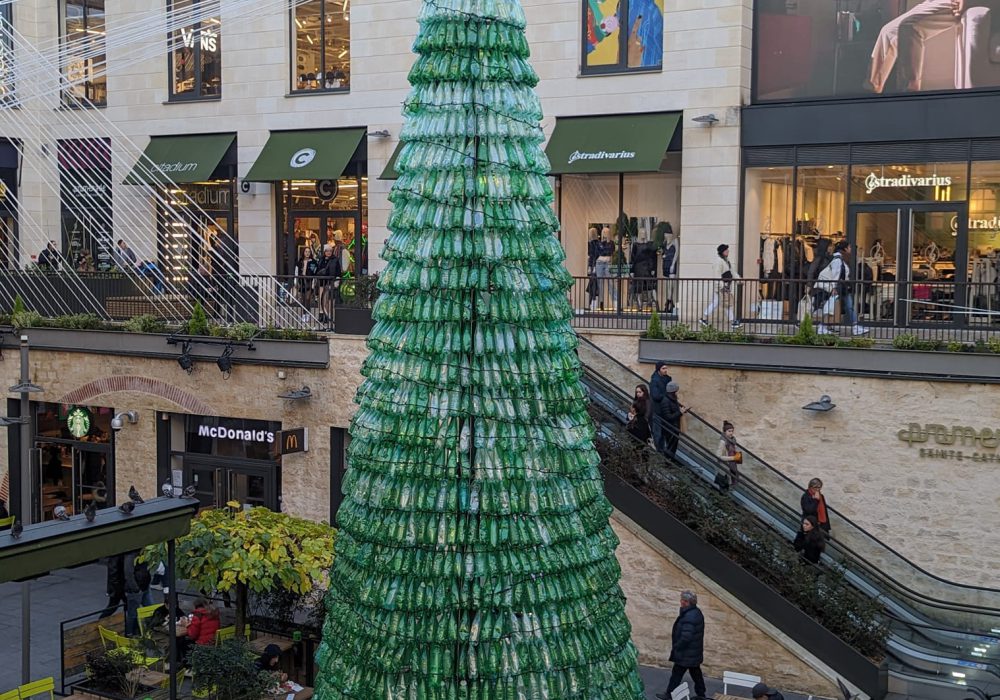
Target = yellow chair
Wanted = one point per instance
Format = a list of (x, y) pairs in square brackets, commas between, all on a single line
[(108, 638), (10, 695), (144, 614), (6, 522), (112, 640), (225, 633), (45, 685)]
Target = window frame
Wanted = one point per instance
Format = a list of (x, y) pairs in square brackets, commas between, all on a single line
[(196, 95), (622, 66), (7, 54), (293, 53), (88, 102)]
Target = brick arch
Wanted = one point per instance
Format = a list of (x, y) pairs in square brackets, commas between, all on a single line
[(141, 385)]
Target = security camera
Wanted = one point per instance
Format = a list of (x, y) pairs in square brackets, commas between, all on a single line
[(118, 422)]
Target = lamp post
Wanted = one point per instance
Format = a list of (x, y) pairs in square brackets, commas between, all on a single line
[(25, 388)]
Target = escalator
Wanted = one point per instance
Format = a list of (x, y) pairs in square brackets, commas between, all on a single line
[(941, 639)]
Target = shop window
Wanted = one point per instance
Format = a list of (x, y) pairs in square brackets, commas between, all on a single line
[(315, 221), (199, 233), (930, 182), (590, 205), (84, 59), (984, 234), (767, 215), (6, 52), (622, 35), (321, 46), (196, 55), (821, 199)]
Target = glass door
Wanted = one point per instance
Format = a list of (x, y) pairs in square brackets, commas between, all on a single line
[(218, 483), (875, 237), (91, 482)]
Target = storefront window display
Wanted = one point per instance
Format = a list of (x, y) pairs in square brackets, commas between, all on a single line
[(86, 204), (622, 35), (321, 46), (925, 237), (75, 453), (8, 204), (225, 459), (318, 213), (7, 51), (84, 37), (196, 55), (199, 233)]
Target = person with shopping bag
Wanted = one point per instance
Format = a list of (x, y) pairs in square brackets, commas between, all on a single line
[(722, 294), (833, 285)]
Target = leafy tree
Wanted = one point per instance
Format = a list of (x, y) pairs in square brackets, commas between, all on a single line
[(257, 549), (474, 557)]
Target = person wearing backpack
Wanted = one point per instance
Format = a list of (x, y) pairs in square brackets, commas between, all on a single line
[(723, 292), (137, 580), (834, 282)]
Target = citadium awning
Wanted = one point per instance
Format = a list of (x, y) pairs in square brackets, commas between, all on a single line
[(180, 159)]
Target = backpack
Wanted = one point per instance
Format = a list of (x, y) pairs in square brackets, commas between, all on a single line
[(142, 576)]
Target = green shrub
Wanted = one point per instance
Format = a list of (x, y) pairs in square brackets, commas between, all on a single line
[(861, 342), (226, 671), (905, 341), (242, 331), (146, 323), (26, 319), (709, 334), (654, 330), (679, 331), (993, 344), (19, 307), (198, 325), (90, 322)]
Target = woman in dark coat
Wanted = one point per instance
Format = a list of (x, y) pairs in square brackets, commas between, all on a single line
[(672, 412), (658, 401), (810, 540), (813, 503)]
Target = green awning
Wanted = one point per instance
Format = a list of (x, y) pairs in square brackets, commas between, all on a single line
[(180, 159), (390, 168), (627, 143), (320, 154)]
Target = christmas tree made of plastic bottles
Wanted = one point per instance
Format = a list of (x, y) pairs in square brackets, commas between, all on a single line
[(474, 559)]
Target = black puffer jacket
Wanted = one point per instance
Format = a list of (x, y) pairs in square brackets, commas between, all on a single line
[(689, 638)]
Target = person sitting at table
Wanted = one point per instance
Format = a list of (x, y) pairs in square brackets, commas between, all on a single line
[(268, 661), (199, 628)]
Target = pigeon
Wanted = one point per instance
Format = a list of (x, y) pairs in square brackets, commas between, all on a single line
[(134, 495), (127, 507), (60, 513), (90, 511), (16, 529), (189, 491), (167, 489)]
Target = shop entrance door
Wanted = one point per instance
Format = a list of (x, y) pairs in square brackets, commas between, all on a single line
[(73, 476), (217, 483), (319, 229), (909, 260)]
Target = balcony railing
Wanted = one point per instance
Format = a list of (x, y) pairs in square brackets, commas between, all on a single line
[(932, 310)]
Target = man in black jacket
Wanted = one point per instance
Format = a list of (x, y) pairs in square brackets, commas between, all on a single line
[(660, 407), (688, 649), (116, 583), (762, 692)]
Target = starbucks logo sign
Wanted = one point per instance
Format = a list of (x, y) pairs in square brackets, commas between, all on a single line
[(78, 422)]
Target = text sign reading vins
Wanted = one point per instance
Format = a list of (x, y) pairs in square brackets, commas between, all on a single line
[(957, 442), (294, 440)]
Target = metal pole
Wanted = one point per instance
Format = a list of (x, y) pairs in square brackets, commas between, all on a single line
[(27, 511), (172, 619)]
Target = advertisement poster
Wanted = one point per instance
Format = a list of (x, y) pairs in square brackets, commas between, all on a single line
[(855, 48)]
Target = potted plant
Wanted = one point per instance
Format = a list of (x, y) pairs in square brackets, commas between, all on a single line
[(226, 671), (112, 673), (353, 315)]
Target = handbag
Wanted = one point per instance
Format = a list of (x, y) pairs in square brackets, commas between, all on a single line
[(830, 306), (738, 457)]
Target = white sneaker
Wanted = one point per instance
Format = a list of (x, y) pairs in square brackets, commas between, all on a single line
[(703, 323), (859, 330), (821, 329)]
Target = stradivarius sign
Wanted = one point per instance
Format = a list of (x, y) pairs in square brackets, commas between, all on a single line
[(874, 182), (600, 155)]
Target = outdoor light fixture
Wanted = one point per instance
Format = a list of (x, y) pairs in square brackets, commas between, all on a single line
[(25, 388), (185, 360), (381, 133), (225, 362), (824, 404), (297, 394), (6, 422), (118, 422), (707, 119)]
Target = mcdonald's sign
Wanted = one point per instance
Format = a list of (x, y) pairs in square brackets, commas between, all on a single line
[(294, 440)]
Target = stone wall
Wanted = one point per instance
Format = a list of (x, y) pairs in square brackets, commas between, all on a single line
[(936, 511), (735, 638), (251, 392)]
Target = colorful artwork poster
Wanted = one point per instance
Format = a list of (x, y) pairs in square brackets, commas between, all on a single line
[(644, 44)]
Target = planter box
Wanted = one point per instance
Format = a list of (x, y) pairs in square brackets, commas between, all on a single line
[(862, 362), (353, 320), (285, 353)]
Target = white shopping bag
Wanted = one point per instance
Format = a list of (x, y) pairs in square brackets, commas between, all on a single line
[(830, 305)]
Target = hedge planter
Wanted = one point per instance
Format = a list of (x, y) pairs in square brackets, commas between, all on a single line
[(297, 353), (353, 320), (862, 362)]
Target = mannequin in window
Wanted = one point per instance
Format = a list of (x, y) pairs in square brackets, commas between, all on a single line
[(671, 247), (602, 267)]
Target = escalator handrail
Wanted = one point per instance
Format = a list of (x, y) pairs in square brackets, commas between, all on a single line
[(781, 475), (775, 505)]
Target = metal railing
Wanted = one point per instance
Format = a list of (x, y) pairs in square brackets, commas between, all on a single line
[(931, 310)]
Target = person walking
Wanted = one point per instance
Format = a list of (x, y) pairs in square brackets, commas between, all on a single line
[(762, 692), (814, 503), (729, 452), (137, 580), (810, 540), (127, 258), (328, 273), (723, 272), (658, 403), (688, 647), (115, 584), (50, 259), (835, 280), (673, 410), (305, 279)]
